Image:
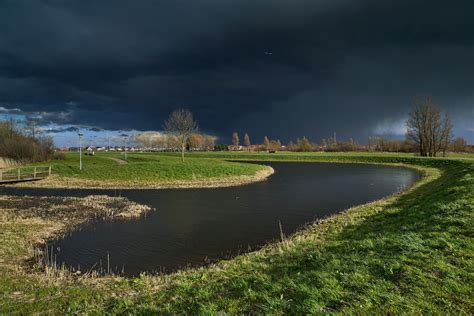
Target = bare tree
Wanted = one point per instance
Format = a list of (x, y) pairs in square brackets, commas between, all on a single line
[(196, 141), (30, 126), (266, 143), (181, 124), (304, 145), (291, 146), (274, 145), (459, 145), (428, 128), (246, 140), (446, 134), (235, 139), (209, 142), (144, 139)]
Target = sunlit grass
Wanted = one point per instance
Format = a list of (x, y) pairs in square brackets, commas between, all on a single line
[(148, 167), (411, 253)]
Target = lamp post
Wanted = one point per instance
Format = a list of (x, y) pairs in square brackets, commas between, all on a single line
[(80, 150), (125, 139)]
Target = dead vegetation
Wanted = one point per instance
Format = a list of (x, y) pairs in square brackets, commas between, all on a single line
[(27, 222)]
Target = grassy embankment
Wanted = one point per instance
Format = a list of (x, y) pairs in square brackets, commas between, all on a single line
[(149, 171), (409, 253)]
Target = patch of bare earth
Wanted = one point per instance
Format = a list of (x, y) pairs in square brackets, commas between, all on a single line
[(117, 160)]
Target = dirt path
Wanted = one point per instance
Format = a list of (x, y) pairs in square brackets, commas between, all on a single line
[(118, 161)]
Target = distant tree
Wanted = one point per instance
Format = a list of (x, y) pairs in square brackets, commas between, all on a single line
[(291, 146), (274, 145), (351, 145), (304, 145), (196, 141), (209, 142), (408, 146), (426, 126), (23, 147), (446, 134), (161, 142), (144, 139), (266, 143), (246, 140), (30, 126), (372, 143), (221, 147), (459, 145), (181, 124), (235, 139), (325, 143)]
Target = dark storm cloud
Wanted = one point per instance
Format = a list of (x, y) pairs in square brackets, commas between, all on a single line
[(335, 65)]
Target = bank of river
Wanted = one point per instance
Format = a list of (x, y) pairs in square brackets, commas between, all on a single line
[(195, 226), (407, 253)]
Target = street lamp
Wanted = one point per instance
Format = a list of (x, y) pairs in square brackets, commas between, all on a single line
[(80, 150), (125, 139)]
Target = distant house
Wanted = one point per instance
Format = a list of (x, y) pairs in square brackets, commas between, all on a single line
[(253, 148), (235, 148)]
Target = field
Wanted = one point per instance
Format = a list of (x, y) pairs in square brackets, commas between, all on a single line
[(149, 170), (410, 253)]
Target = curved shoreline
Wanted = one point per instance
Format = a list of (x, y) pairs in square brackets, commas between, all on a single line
[(260, 263), (55, 182), (126, 209)]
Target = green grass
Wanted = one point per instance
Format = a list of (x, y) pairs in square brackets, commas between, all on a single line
[(408, 254), (147, 167)]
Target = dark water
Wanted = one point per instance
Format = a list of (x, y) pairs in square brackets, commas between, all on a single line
[(193, 226)]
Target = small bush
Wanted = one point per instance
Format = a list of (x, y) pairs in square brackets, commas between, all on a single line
[(59, 155)]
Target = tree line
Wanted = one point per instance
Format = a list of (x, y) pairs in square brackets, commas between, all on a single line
[(24, 145), (429, 132), (163, 141)]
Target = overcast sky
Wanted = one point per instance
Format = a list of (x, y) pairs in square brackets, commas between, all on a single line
[(280, 68)]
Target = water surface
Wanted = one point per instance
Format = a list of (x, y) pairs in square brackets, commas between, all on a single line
[(194, 226)]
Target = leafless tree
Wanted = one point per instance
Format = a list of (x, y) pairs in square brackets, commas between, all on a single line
[(266, 143), (291, 146), (30, 126), (181, 124), (235, 139), (246, 140), (18, 145), (459, 145), (304, 145), (274, 145), (210, 142), (428, 128), (196, 141), (144, 139)]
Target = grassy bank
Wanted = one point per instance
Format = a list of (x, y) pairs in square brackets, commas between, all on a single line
[(149, 171), (408, 253)]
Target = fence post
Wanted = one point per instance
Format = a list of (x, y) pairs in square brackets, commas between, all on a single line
[(19, 174), (34, 173), (1, 175), (49, 171)]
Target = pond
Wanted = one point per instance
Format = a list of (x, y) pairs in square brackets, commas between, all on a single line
[(191, 227)]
